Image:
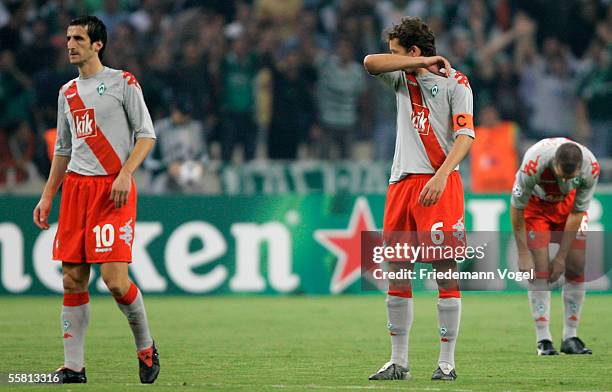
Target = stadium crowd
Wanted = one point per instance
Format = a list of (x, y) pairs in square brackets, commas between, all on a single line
[(233, 81)]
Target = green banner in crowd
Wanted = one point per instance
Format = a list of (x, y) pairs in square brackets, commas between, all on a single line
[(292, 244)]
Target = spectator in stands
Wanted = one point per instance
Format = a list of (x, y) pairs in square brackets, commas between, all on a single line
[(237, 117), (16, 151), (16, 93), (340, 85), (180, 156), (292, 104), (112, 15), (547, 87), (595, 101)]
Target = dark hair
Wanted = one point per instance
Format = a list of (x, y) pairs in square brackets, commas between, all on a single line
[(413, 31), (96, 30), (569, 157)]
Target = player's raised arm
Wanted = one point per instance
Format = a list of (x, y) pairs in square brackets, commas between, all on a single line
[(388, 62)]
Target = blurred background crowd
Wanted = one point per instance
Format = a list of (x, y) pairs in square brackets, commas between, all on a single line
[(237, 82)]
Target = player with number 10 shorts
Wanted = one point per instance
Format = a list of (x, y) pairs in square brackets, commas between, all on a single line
[(104, 132)]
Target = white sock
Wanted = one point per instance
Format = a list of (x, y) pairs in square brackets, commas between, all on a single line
[(132, 305), (400, 313), (573, 298), (449, 317), (75, 318), (539, 300)]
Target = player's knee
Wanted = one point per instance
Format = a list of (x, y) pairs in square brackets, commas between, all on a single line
[(117, 287), (574, 274), (74, 284)]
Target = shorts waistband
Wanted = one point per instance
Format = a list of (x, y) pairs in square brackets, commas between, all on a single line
[(78, 176), (424, 175)]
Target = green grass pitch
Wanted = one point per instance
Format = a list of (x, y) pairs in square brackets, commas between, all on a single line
[(308, 343)]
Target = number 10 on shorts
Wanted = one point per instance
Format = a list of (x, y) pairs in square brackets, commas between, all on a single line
[(105, 235)]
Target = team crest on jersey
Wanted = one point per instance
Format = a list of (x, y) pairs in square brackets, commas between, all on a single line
[(101, 88), (127, 233), (577, 181), (85, 123), (434, 90)]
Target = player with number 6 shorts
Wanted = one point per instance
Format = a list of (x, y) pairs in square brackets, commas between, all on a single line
[(551, 194), (425, 200), (104, 132)]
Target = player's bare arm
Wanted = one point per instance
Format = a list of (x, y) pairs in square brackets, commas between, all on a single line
[(389, 62), (123, 183), (56, 176), (557, 267), (525, 259), (435, 186)]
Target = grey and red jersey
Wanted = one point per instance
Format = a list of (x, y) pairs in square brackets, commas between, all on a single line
[(432, 111), (98, 119), (536, 176)]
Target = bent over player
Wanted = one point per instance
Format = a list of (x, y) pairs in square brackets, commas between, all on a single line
[(104, 132), (551, 194), (425, 195)]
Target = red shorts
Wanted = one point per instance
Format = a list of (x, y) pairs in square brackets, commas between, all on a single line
[(90, 228), (545, 222), (439, 225)]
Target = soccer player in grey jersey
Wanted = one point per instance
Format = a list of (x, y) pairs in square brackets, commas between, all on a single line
[(435, 130), (104, 132), (550, 198)]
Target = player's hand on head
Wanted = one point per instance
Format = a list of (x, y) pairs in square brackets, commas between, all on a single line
[(432, 191), (556, 268), (442, 63), (121, 189), (41, 214)]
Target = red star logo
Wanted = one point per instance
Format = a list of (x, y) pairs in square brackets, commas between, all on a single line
[(346, 245)]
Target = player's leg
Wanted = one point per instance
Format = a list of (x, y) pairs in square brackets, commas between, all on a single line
[(399, 322), (399, 296), (68, 246), (540, 220), (449, 316), (75, 319), (110, 235), (539, 301), (129, 299), (573, 298)]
